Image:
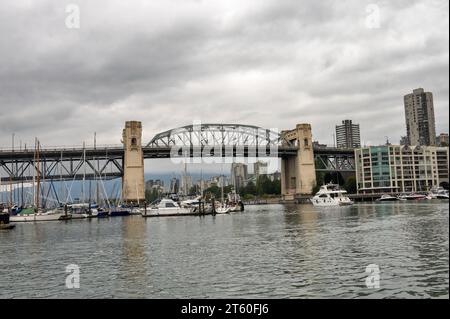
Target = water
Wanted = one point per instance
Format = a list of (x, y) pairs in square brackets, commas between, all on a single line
[(269, 251)]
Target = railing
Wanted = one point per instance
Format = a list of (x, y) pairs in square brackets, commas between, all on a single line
[(45, 148)]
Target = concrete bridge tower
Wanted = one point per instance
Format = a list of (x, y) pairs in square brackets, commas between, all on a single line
[(298, 173), (133, 185)]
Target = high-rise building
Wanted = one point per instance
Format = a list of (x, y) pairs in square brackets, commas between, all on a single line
[(174, 185), (259, 168), (419, 114), (348, 135), (186, 184), (404, 140), (238, 175)]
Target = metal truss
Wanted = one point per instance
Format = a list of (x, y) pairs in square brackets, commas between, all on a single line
[(335, 162), (59, 165), (218, 135)]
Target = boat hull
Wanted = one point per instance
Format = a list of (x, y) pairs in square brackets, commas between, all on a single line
[(119, 213), (40, 217), (169, 212)]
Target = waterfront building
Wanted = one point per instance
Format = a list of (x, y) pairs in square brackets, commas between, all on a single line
[(348, 135), (419, 115), (400, 168), (239, 175)]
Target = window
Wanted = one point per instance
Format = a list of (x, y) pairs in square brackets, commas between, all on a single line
[(306, 142), (133, 141), (170, 205)]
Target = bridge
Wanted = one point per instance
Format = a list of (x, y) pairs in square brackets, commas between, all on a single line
[(300, 160)]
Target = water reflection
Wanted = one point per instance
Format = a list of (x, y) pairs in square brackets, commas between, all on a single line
[(274, 251)]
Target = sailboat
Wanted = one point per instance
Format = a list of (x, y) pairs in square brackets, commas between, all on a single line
[(34, 214), (222, 209)]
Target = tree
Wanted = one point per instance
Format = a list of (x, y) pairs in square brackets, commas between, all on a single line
[(250, 189), (350, 185), (151, 195), (194, 190)]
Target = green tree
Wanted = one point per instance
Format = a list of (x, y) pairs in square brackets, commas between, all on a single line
[(151, 195), (350, 185), (250, 189), (214, 191)]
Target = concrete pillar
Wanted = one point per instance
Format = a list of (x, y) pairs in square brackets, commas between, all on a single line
[(133, 185), (298, 173), (306, 168)]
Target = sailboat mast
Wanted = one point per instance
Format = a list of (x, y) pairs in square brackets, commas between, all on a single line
[(38, 173), (84, 172), (34, 173)]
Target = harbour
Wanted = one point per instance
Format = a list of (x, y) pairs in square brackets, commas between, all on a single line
[(224, 150), (268, 251)]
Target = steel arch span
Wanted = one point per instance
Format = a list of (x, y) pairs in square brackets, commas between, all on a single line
[(219, 135)]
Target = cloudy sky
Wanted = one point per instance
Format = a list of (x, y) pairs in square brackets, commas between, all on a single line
[(166, 63)]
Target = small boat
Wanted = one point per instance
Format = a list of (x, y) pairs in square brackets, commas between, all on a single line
[(119, 211), (412, 196), (188, 203), (102, 213), (167, 207), (387, 198), (234, 202), (223, 210), (331, 195), (40, 215), (4, 221)]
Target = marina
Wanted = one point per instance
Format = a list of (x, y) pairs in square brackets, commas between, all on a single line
[(269, 251)]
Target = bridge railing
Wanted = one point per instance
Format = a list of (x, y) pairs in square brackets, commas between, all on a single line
[(60, 148)]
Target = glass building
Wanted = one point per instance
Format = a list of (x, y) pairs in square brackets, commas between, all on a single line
[(401, 168)]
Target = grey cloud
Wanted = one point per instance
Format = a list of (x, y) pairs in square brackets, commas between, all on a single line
[(167, 63)]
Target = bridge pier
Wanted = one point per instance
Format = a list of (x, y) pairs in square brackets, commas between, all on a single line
[(298, 173), (133, 185)]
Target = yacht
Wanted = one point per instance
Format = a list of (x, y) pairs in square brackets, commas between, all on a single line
[(167, 207), (331, 195), (387, 198), (438, 193), (188, 203)]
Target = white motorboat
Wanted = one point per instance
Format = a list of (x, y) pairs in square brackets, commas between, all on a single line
[(413, 196), (387, 198), (167, 207), (438, 193), (331, 195), (188, 203)]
